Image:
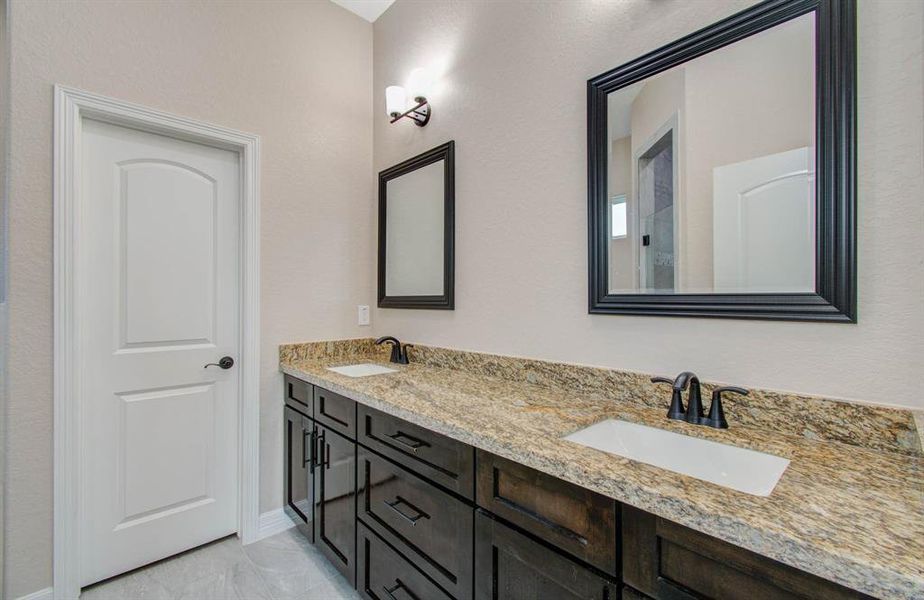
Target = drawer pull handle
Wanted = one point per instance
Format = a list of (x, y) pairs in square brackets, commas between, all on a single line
[(313, 455), (306, 445), (399, 585), (410, 519), (322, 454), (413, 443)]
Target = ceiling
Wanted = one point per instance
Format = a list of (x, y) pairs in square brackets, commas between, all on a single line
[(370, 10)]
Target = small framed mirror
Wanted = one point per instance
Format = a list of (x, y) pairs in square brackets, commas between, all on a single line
[(416, 231), (721, 170)]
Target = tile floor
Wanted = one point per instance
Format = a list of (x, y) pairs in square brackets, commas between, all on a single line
[(283, 567)]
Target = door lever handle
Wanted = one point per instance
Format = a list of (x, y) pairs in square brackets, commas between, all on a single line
[(225, 362)]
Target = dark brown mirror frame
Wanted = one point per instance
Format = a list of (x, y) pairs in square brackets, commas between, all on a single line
[(445, 301), (835, 296)]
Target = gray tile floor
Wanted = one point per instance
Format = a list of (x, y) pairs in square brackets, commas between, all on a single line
[(283, 567)]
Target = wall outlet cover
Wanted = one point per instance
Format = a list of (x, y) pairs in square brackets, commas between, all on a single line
[(362, 314)]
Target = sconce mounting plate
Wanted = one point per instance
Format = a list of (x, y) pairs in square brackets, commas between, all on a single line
[(420, 113)]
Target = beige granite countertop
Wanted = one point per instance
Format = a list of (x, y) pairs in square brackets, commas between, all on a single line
[(848, 514)]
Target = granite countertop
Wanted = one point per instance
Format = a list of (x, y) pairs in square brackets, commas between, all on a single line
[(848, 514)]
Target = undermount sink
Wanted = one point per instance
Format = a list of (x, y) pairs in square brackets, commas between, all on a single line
[(362, 370), (740, 469)]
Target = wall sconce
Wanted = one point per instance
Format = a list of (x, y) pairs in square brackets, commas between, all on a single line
[(396, 104)]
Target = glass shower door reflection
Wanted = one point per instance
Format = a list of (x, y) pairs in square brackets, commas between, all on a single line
[(658, 253), (656, 216)]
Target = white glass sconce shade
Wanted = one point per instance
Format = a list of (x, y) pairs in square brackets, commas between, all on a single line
[(395, 100)]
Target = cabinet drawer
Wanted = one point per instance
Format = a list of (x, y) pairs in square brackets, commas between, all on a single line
[(440, 459), (298, 394), (667, 560), (511, 566), (383, 574), (335, 411), (429, 526), (568, 516)]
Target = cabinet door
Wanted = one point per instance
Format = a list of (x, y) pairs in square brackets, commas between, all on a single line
[(511, 566), (335, 500), (299, 434), (667, 561)]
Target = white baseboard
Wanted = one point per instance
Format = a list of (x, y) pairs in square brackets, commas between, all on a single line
[(46, 594), (273, 522)]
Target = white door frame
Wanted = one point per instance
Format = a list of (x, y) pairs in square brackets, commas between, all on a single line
[(71, 106)]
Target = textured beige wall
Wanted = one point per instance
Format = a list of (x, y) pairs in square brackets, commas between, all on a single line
[(4, 160), (512, 95), (299, 74)]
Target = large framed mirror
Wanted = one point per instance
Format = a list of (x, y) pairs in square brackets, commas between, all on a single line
[(721, 170), (416, 231)]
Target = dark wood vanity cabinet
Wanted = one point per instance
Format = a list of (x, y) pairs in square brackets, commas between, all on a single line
[(320, 472), (406, 513), (665, 560), (511, 566), (395, 510)]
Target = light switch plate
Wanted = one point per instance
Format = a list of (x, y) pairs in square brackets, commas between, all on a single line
[(362, 314)]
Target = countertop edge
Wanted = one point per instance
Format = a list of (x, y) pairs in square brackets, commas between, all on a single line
[(850, 573)]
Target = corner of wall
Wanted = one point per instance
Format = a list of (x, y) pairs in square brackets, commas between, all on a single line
[(4, 195)]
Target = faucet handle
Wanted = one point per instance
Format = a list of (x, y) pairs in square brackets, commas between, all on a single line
[(731, 389), (398, 351), (716, 416), (405, 358), (676, 410)]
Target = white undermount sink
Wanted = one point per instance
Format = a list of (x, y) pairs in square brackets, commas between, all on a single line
[(362, 370), (740, 469)]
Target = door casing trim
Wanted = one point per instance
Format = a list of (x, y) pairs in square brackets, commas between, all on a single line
[(70, 107)]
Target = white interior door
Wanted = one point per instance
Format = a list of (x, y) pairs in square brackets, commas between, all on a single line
[(159, 282), (764, 224)]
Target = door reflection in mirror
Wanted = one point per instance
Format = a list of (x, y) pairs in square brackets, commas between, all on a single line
[(715, 159)]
